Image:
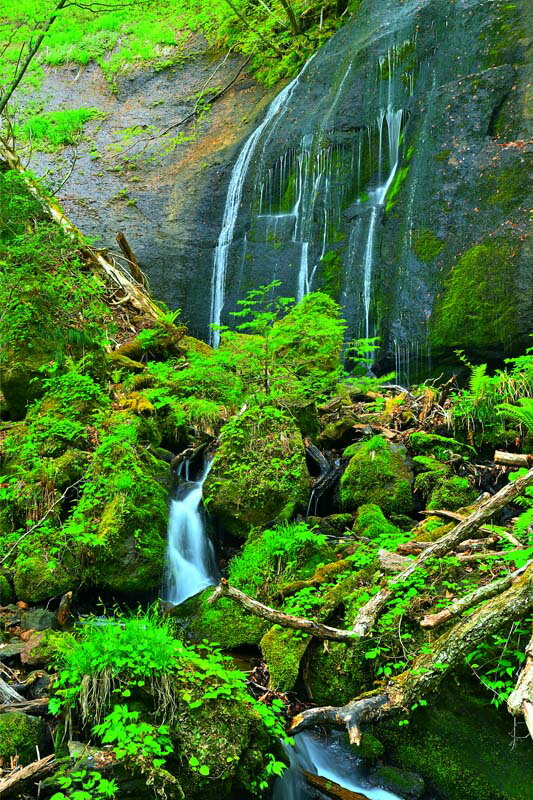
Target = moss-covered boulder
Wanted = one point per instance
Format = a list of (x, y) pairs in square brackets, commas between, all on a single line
[(399, 781), (451, 744), (440, 447), (452, 493), (39, 577), (6, 592), (378, 472), (224, 623), (20, 735), (282, 649), (258, 471), (372, 523)]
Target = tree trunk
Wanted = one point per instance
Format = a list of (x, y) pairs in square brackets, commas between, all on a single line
[(520, 701), (516, 460)]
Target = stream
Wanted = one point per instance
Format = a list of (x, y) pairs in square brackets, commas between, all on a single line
[(190, 568)]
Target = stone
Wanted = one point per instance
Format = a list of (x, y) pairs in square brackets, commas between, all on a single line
[(406, 784), (21, 735)]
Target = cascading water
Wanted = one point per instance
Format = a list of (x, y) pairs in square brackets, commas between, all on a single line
[(328, 759), (190, 559), (233, 202)]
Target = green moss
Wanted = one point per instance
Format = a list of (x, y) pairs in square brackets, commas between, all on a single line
[(426, 245), (6, 592), (20, 735), (510, 186), (338, 674), (259, 468), (282, 650), (438, 446), (453, 745), (331, 266), (477, 308), (371, 522), (378, 473), (405, 784), (39, 577), (225, 623), (452, 493), (370, 748)]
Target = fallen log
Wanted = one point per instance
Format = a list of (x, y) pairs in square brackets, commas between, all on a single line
[(369, 613), (8, 694), (516, 460), (426, 673), (453, 515), (129, 255), (37, 707), (332, 789), (279, 617), (470, 600), (520, 701), (392, 562), (16, 782)]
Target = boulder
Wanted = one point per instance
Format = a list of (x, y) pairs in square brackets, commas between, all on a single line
[(378, 472)]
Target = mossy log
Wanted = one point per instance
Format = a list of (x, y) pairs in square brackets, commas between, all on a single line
[(427, 671), (369, 613), (332, 789), (279, 617)]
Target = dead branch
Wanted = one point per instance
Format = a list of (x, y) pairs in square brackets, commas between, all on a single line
[(426, 673), (520, 701), (8, 694), (37, 707), (15, 782), (470, 600), (513, 459), (129, 255), (278, 617), (370, 611)]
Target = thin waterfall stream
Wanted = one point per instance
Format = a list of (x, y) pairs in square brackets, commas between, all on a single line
[(190, 561), (329, 759)]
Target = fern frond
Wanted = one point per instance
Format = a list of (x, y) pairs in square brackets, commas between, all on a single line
[(522, 414)]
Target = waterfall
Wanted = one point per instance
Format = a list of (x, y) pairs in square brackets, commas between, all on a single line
[(190, 556), (233, 203), (330, 760)]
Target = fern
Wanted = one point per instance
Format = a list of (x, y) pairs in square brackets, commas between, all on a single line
[(521, 414)]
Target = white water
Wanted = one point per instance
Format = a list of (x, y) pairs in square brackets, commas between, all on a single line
[(233, 204), (190, 556), (328, 759)]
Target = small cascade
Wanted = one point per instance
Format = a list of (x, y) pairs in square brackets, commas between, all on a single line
[(329, 759), (191, 564)]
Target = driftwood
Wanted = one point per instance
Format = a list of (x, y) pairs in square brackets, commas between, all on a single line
[(392, 562), (368, 614), (278, 617), (14, 783), (479, 595), (332, 789), (37, 707), (134, 293), (520, 701), (428, 670), (517, 460), (8, 694)]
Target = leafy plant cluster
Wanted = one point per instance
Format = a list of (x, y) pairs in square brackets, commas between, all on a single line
[(105, 669)]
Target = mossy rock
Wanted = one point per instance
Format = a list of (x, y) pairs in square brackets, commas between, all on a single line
[(369, 749), (42, 647), (20, 735), (405, 784), (378, 473), (225, 622), (371, 522), (439, 447), (226, 736), (283, 649), (259, 469), (339, 433), (6, 592), (39, 577), (336, 675), (452, 493), (452, 745), (426, 245)]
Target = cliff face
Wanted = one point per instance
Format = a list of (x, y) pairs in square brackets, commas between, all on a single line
[(395, 176), (393, 173)]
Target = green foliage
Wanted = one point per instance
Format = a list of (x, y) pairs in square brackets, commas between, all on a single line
[(522, 414), (139, 658), (277, 555), (497, 661), (55, 129), (84, 785)]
